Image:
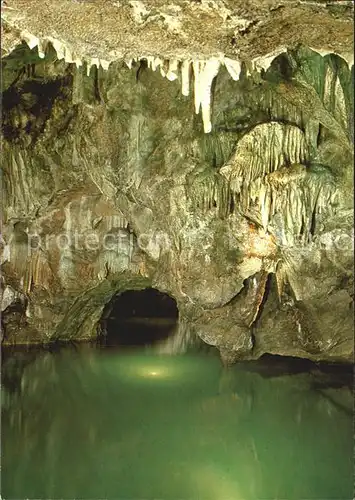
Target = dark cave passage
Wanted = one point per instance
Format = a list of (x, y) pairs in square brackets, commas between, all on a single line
[(139, 318)]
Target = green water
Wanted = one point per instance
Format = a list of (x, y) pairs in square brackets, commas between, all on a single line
[(94, 423)]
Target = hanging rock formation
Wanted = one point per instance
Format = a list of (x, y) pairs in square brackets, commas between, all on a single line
[(203, 148)]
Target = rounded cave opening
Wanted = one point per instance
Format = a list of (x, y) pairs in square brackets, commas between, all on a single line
[(139, 318)]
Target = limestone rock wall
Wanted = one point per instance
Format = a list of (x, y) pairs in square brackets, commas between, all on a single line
[(111, 182)]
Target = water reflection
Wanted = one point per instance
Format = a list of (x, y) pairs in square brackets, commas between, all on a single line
[(96, 423)]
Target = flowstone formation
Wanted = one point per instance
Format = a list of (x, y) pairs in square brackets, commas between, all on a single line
[(221, 176)]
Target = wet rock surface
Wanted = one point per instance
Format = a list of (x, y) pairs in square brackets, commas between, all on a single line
[(111, 183)]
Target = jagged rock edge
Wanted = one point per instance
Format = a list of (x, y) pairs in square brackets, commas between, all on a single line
[(204, 70)]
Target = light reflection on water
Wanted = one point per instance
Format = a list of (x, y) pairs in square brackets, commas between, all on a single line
[(99, 423)]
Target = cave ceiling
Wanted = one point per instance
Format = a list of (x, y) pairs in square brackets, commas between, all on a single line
[(243, 30)]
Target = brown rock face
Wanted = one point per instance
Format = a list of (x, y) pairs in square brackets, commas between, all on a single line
[(236, 202)]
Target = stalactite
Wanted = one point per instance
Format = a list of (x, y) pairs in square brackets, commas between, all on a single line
[(264, 201), (185, 77), (283, 102), (197, 66), (256, 295), (116, 221), (233, 67), (172, 73), (334, 97), (37, 272), (42, 46), (210, 192), (264, 62), (295, 193), (298, 196), (119, 258), (209, 73), (156, 62), (204, 73), (264, 150), (63, 51), (18, 183)]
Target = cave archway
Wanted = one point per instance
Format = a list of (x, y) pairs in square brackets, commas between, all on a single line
[(139, 318)]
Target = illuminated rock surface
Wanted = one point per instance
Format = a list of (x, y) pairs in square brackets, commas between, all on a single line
[(203, 148)]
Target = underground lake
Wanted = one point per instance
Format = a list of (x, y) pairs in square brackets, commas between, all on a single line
[(117, 421)]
